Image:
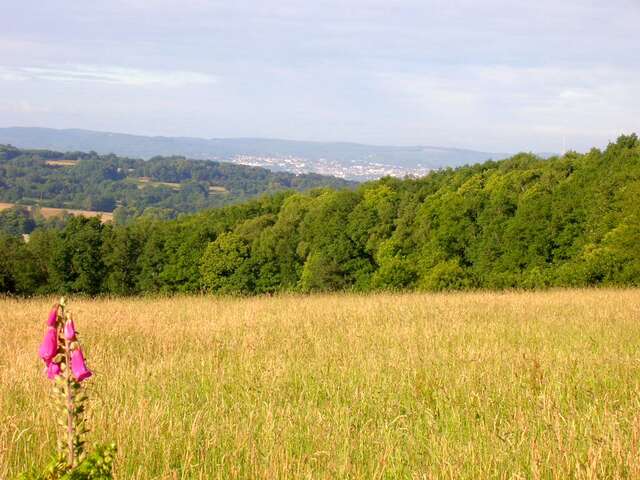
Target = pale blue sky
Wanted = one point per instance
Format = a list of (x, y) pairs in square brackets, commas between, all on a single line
[(497, 75)]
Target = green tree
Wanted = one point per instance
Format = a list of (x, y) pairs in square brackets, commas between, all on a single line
[(76, 263), (9, 247), (121, 249), (225, 267), (16, 221)]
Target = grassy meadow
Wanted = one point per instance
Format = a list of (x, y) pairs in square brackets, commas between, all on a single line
[(418, 386)]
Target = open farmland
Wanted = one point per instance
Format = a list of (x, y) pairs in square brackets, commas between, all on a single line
[(469, 385), (61, 163), (48, 212), (56, 212)]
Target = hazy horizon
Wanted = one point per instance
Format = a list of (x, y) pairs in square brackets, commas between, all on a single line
[(245, 137), (490, 75)]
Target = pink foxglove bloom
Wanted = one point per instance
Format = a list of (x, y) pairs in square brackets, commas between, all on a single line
[(53, 370), (53, 316), (69, 330), (49, 346), (79, 369)]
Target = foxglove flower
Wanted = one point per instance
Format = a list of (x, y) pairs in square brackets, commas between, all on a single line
[(53, 370), (53, 316), (69, 330), (49, 346), (78, 367)]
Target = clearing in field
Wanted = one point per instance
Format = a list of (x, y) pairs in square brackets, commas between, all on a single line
[(478, 385), (217, 189), (61, 163), (48, 212), (146, 181), (143, 182), (56, 212)]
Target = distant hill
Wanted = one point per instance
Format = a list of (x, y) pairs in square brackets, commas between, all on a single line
[(347, 160), (162, 186)]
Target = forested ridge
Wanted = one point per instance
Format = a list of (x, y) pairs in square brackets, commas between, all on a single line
[(523, 222), (160, 187)]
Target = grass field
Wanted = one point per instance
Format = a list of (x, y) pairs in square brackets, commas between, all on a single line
[(143, 182), (479, 385), (61, 163), (48, 212)]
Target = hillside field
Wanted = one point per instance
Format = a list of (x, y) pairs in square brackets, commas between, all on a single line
[(417, 386), (48, 212)]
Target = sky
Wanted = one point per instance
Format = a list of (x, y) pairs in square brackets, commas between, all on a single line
[(492, 75)]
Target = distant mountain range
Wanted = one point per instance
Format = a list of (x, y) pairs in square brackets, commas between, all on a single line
[(347, 160)]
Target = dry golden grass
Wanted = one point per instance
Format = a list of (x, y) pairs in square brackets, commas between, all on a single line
[(480, 385), (56, 212), (217, 189), (146, 181), (48, 212), (61, 163)]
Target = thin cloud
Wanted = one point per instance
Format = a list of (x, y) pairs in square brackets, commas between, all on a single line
[(22, 106), (107, 74), (588, 104)]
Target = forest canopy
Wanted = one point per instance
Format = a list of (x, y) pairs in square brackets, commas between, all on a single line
[(523, 222)]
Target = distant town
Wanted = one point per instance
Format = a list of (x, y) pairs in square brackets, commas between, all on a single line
[(361, 171)]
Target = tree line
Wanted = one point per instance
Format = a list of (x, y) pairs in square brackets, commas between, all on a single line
[(523, 222)]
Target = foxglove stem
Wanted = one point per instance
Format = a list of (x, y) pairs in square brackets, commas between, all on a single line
[(69, 394)]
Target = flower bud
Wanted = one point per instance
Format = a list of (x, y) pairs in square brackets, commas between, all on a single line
[(69, 330), (49, 345), (53, 316), (78, 367)]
